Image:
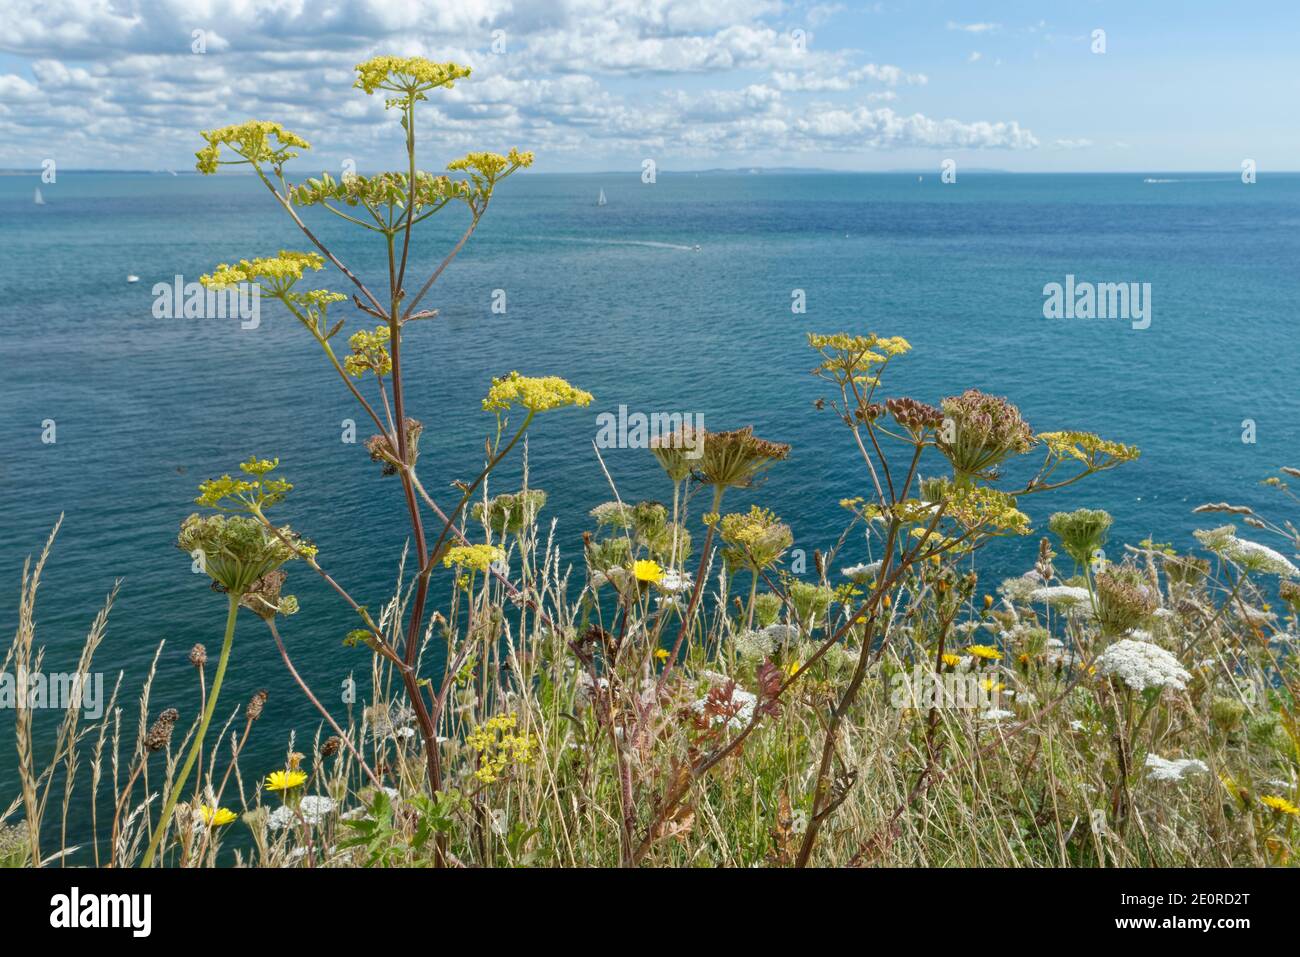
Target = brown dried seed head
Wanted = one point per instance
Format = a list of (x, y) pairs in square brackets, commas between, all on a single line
[(331, 746), (255, 705), (198, 656), (160, 732)]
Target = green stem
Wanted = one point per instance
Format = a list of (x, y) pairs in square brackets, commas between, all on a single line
[(198, 739)]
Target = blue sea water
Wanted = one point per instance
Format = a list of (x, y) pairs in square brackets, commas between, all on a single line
[(617, 300)]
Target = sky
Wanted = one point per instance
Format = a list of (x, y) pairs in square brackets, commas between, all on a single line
[(692, 84)]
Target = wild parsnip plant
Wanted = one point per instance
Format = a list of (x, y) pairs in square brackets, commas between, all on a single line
[(664, 704)]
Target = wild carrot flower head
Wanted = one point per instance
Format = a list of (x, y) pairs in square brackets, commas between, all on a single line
[(1250, 556), (1142, 665), (411, 76), (757, 538), (737, 459), (285, 780), (1081, 532), (255, 142), (1125, 599), (534, 394), (980, 431)]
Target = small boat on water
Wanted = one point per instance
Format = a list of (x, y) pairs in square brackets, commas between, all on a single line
[(601, 200), (39, 199), (133, 278)]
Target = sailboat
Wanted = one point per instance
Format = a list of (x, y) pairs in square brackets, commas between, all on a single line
[(39, 199), (601, 201)]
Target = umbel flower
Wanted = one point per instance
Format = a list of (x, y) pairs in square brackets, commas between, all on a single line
[(915, 417), (1081, 532), (981, 431), (674, 452), (235, 550), (511, 512), (737, 459), (1142, 665), (1124, 599), (757, 538), (477, 557), (255, 142), (534, 394), (411, 76), (1250, 556)]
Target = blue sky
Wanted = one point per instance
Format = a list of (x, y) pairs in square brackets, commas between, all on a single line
[(604, 84)]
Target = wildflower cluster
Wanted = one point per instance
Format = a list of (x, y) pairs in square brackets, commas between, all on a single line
[(255, 142), (499, 747), (477, 557), (369, 353), (534, 394)]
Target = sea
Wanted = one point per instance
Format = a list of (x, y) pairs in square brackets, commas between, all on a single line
[(692, 294)]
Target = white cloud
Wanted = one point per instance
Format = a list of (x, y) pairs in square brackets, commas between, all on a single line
[(975, 56), (974, 27), (113, 83)]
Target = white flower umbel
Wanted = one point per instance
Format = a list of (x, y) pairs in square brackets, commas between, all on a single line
[(753, 645), (861, 574), (1064, 597), (1255, 557), (1164, 769), (1142, 665), (741, 700)]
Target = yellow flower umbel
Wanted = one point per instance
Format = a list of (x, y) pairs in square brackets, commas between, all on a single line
[(499, 747), (216, 816), (1280, 804), (477, 557), (285, 780), (533, 394), (255, 142), (411, 76)]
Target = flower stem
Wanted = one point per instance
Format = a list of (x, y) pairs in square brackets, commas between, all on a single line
[(198, 738)]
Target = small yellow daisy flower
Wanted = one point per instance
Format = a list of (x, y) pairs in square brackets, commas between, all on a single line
[(646, 570), (661, 654), (216, 816), (987, 652), (794, 668), (285, 780), (951, 660), (1280, 804)]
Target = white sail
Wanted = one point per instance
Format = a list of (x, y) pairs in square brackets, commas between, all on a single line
[(601, 201), (39, 199)]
